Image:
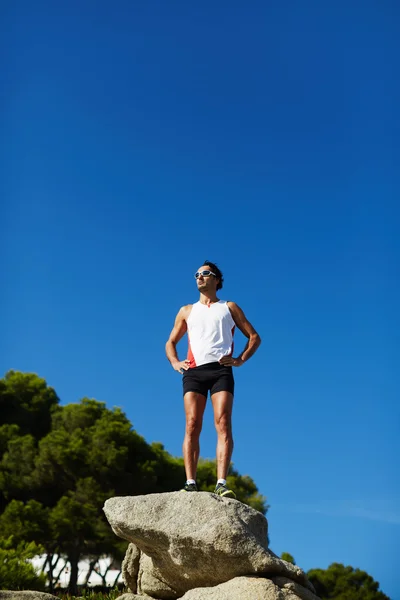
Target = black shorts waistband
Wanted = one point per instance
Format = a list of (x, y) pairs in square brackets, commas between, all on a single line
[(209, 366)]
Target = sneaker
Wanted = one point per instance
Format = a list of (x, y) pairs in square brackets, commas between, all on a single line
[(190, 487), (224, 491)]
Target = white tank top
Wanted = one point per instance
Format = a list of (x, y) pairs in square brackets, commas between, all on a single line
[(210, 329)]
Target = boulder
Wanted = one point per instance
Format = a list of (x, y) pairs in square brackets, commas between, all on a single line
[(182, 541), (244, 588), (128, 596), (130, 567), (287, 585), (241, 588), (26, 595)]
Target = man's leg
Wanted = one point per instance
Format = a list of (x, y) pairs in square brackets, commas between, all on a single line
[(222, 404), (195, 405)]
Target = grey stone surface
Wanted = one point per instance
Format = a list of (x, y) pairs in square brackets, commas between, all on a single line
[(287, 585), (128, 596), (130, 567), (25, 595), (152, 581), (239, 588), (195, 541)]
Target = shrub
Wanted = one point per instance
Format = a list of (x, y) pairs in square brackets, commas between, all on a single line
[(16, 572)]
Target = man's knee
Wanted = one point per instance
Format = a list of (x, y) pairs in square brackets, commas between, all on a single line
[(193, 426), (223, 425)]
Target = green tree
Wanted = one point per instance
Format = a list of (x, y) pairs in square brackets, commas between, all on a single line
[(26, 404), (89, 440), (288, 557), (23, 521), (90, 454), (7, 433), (30, 521), (27, 401), (16, 467), (338, 582), (16, 572)]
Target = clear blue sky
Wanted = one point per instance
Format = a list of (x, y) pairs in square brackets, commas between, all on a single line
[(140, 139)]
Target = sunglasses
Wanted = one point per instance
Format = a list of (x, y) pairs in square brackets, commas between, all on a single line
[(204, 273)]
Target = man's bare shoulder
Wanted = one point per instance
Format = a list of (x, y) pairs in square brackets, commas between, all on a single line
[(184, 311), (232, 305), (235, 310)]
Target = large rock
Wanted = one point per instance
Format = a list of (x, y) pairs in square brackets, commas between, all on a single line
[(297, 590), (241, 588), (128, 596), (193, 540), (245, 588), (26, 595)]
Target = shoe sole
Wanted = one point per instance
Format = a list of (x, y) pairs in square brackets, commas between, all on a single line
[(229, 493)]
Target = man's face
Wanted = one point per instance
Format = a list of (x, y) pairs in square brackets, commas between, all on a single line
[(204, 282)]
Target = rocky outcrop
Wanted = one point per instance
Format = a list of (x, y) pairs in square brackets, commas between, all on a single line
[(25, 595), (245, 588), (198, 545)]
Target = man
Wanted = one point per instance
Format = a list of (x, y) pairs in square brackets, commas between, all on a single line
[(210, 325)]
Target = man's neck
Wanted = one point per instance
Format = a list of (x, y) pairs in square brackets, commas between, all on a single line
[(208, 299)]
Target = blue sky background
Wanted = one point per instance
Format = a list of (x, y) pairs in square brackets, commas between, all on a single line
[(138, 140)]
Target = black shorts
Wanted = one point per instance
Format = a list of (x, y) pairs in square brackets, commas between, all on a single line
[(211, 377)]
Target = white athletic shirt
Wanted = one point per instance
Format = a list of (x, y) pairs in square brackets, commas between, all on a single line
[(210, 329)]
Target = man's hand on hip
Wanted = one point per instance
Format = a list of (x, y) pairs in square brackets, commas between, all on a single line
[(181, 366), (229, 361)]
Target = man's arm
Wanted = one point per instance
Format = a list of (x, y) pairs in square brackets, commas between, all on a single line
[(253, 339), (177, 333)]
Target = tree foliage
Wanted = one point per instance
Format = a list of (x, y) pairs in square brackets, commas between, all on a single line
[(288, 557), (345, 583), (16, 572), (27, 401)]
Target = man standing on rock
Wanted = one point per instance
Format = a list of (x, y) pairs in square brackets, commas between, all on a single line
[(210, 325)]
